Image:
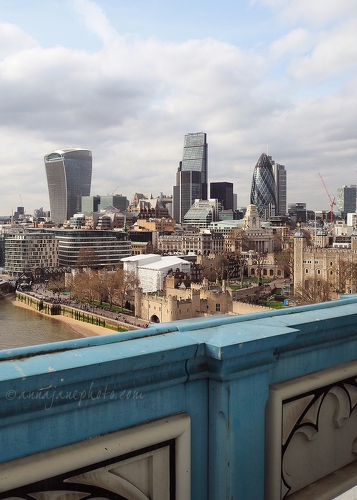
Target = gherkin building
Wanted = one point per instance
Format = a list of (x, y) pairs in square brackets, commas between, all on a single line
[(263, 192)]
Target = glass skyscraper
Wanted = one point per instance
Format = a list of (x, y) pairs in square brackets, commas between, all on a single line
[(69, 176), (191, 177), (280, 183), (263, 191), (223, 192)]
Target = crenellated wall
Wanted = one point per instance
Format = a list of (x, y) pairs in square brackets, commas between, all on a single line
[(226, 407)]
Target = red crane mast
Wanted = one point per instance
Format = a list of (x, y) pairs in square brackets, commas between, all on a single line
[(332, 201)]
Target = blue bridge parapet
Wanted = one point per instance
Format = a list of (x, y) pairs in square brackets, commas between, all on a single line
[(226, 407)]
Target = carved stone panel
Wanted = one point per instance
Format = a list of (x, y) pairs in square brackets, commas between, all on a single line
[(311, 435), (156, 471)]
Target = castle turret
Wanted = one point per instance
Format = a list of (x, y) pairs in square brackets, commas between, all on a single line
[(354, 240), (138, 293), (299, 244), (322, 238)]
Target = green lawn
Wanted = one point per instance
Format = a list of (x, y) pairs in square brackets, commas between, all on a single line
[(274, 304), (117, 309)]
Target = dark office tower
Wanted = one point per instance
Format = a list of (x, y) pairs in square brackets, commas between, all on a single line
[(346, 200), (280, 182), (223, 192), (191, 177), (263, 191), (69, 175)]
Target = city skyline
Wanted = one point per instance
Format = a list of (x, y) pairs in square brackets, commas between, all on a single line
[(129, 81)]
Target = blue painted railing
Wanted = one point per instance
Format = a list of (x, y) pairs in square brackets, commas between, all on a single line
[(217, 370)]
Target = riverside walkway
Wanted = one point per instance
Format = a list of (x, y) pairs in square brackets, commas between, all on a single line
[(40, 293)]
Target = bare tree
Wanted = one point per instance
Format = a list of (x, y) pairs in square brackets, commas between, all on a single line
[(258, 259), (313, 291), (87, 286), (127, 281), (112, 284), (98, 284), (87, 257), (345, 275), (285, 260)]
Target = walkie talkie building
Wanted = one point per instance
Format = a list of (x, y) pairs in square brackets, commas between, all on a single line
[(69, 176), (263, 191)]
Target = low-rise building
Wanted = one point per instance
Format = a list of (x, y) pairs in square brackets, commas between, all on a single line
[(202, 213), (182, 299), (152, 269), (200, 243)]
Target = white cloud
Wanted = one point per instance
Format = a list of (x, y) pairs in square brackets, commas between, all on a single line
[(296, 42), (95, 20), (13, 39), (132, 102), (314, 13), (334, 52)]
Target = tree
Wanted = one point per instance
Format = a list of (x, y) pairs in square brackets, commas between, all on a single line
[(112, 284), (87, 257), (97, 282), (284, 259), (126, 281), (345, 275), (87, 286), (258, 259), (314, 290), (80, 286)]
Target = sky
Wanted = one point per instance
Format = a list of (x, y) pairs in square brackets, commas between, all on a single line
[(128, 79)]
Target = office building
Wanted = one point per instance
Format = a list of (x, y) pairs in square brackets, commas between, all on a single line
[(223, 192), (202, 213), (191, 177), (297, 212), (69, 175), (96, 203), (263, 190), (346, 200), (117, 201), (280, 186), (24, 252), (106, 248), (90, 204)]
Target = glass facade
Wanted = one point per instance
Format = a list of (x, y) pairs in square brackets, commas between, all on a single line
[(280, 181), (69, 176), (223, 191), (202, 213), (263, 191), (346, 199), (191, 178)]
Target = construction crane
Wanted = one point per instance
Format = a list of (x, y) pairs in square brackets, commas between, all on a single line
[(332, 201), (111, 194)]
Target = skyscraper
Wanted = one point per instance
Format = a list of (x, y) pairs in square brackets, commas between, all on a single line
[(263, 191), (280, 184), (191, 177), (69, 175), (223, 192), (346, 199)]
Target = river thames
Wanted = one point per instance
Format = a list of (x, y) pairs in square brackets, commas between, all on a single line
[(21, 327)]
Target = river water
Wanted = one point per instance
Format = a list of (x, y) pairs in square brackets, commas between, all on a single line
[(21, 327)]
